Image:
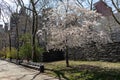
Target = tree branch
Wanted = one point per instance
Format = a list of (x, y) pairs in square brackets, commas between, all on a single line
[(80, 3), (115, 18), (115, 6)]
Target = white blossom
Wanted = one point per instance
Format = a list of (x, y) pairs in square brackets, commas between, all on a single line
[(74, 29)]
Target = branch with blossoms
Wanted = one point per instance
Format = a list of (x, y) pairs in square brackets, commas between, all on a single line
[(81, 28), (78, 28)]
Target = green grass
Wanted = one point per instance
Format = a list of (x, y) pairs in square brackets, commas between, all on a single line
[(84, 70)]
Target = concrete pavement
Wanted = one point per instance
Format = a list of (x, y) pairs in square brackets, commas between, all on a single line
[(10, 71)]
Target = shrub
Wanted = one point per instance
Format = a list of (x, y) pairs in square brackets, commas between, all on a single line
[(12, 53), (2, 53), (39, 53), (6, 53), (25, 51)]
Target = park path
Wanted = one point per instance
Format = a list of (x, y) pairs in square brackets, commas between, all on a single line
[(10, 71)]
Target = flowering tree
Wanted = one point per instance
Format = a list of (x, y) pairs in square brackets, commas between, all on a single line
[(74, 29)]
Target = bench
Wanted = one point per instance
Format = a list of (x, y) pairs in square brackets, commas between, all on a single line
[(35, 66)]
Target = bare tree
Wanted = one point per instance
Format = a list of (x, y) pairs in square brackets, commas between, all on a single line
[(35, 7), (7, 11), (117, 7), (85, 3)]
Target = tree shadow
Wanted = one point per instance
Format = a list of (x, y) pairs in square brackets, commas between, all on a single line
[(21, 77), (25, 76), (95, 73), (59, 73), (35, 76), (87, 72)]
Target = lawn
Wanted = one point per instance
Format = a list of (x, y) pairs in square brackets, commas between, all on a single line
[(84, 70)]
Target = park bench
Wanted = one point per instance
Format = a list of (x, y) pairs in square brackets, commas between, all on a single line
[(32, 65)]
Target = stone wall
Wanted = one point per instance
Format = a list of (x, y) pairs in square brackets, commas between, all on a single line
[(108, 52)]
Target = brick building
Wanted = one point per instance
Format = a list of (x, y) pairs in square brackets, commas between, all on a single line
[(103, 8)]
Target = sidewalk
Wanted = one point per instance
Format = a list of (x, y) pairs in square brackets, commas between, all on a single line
[(10, 71)]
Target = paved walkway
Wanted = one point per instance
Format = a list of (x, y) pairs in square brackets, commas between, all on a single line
[(10, 71)]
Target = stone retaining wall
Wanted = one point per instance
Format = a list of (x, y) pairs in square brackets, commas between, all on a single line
[(108, 52)]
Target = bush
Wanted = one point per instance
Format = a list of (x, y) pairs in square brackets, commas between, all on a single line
[(2, 53), (6, 53), (39, 53), (12, 53), (25, 51), (52, 55)]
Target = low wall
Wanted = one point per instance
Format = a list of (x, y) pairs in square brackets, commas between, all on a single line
[(108, 52)]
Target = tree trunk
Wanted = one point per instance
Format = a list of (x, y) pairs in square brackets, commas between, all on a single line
[(66, 57), (17, 36), (34, 29), (34, 59), (9, 42)]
